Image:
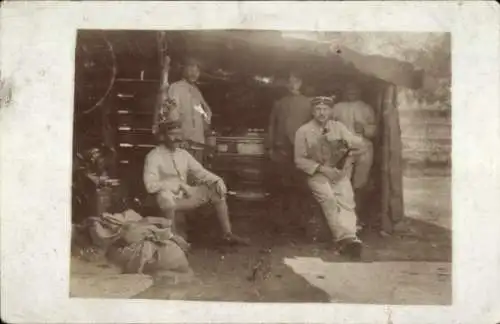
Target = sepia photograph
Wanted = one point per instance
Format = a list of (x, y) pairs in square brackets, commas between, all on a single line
[(262, 166), (249, 162)]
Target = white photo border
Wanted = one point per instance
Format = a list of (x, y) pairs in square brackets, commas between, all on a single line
[(37, 57)]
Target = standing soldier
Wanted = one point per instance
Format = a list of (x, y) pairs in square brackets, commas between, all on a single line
[(288, 114), (190, 108), (315, 144), (359, 118)]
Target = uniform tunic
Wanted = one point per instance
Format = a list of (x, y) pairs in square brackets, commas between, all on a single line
[(287, 116), (336, 198), (164, 173), (187, 97)]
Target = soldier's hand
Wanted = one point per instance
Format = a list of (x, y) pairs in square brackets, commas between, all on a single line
[(333, 174), (220, 188), (188, 190), (359, 128), (208, 118), (331, 137)]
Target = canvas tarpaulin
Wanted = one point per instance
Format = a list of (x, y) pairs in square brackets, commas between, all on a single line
[(276, 45), (384, 68), (387, 193)]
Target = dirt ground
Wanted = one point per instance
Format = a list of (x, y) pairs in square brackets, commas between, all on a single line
[(411, 267)]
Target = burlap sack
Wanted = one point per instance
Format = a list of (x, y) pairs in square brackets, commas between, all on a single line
[(150, 250), (149, 257)]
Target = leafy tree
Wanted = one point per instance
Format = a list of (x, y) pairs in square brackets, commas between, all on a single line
[(435, 60), (428, 51)]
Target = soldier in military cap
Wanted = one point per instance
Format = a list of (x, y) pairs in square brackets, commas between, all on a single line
[(315, 146), (165, 175)]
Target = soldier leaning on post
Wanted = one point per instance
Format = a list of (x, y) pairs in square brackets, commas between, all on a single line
[(315, 145)]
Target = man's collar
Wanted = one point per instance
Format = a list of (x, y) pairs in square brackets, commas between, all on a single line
[(329, 125), (187, 82), (164, 148), (318, 125)]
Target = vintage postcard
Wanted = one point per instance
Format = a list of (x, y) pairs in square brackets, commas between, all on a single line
[(250, 162)]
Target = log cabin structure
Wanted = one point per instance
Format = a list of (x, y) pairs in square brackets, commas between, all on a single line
[(119, 74)]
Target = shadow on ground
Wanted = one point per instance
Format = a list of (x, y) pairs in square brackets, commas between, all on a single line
[(260, 274), (284, 265)]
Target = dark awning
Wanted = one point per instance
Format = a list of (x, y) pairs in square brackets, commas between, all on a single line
[(384, 68), (387, 69), (261, 52)]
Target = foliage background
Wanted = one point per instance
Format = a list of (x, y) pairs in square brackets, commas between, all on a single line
[(425, 113)]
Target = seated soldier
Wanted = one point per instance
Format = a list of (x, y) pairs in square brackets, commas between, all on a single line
[(315, 144), (165, 175)]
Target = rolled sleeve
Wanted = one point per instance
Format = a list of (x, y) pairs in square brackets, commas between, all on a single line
[(199, 172), (301, 156)]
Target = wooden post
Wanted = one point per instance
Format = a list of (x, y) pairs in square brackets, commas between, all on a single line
[(163, 90), (392, 207)]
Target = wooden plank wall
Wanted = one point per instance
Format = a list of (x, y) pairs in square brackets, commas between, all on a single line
[(426, 136)]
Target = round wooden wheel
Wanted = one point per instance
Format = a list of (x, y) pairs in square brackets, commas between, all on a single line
[(95, 71)]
